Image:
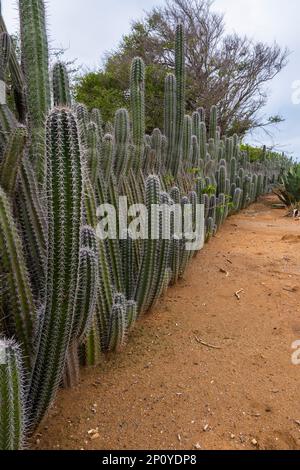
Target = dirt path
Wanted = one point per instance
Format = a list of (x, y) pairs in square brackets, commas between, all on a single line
[(170, 391)]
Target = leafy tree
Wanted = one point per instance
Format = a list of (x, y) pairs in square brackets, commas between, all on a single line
[(226, 70)]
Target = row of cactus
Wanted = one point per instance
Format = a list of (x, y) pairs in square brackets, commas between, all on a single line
[(66, 296)]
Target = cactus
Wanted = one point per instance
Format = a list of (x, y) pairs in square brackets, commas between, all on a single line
[(107, 148), (64, 193), (201, 112), (61, 85), (96, 117), (156, 142), (12, 397), (5, 51), (117, 327), (85, 302), (180, 97), (170, 116), (213, 123), (17, 297), (187, 140), (32, 221), (122, 135), (146, 273), (237, 199), (137, 94), (131, 315), (162, 254), (85, 306), (93, 152), (35, 64), (10, 164), (127, 253), (222, 176)]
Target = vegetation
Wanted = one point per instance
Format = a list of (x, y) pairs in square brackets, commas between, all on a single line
[(226, 70), (66, 295), (289, 189)]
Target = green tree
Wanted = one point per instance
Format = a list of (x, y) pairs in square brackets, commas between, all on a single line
[(223, 69)]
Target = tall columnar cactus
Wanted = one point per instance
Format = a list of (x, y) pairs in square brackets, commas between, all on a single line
[(96, 117), (137, 94), (65, 196), (35, 63), (118, 327), (85, 302), (201, 112), (85, 307), (203, 140), (196, 120), (122, 136), (222, 176), (17, 297), (145, 278), (237, 199), (195, 157), (32, 221), (10, 165), (180, 96), (93, 152), (61, 85), (170, 116), (187, 140), (5, 51), (162, 254), (213, 123), (233, 169), (7, 119), (12, 397), (128, 263), (106, 156), (83, 119), (156, 143)]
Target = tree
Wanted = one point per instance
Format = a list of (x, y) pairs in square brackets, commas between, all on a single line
[(224, 70)]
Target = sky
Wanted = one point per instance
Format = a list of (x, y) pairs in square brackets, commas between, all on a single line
[(89, 28)]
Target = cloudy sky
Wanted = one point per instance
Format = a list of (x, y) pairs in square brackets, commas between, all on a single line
[(89, 28)]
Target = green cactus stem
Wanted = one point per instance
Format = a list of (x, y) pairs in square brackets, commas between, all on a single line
[(65, 196), (61, 85), (12, 397)]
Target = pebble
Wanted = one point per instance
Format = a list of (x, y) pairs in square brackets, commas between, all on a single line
[(254, 442)]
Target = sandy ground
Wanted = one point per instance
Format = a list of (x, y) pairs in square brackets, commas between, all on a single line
[(171, 389)]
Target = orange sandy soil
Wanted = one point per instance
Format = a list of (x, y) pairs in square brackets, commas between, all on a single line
[(169, 390)]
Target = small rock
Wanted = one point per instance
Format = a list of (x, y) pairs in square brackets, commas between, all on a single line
[(232, 436), (206, 428), (95, 436), (197, 446), (254, 442)]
